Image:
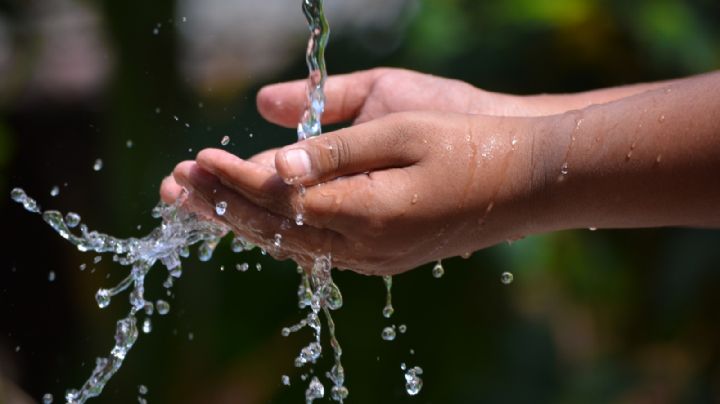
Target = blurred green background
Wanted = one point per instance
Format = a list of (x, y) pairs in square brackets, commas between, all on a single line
[(593, 317)]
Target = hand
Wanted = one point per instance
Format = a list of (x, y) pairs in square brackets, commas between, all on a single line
[(372, 94), (391, 194)]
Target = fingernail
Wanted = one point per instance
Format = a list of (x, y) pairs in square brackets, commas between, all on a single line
[(298, 162)]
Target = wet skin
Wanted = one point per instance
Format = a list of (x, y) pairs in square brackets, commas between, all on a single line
[(433, 168)]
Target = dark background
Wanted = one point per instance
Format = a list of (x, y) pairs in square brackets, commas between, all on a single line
[(592, 317)]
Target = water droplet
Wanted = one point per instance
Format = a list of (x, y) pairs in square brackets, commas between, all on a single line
[(163, 307), (221, 208), (55, 191), (242, 267), (507, 278), (17, 348), (661, 118), (414, 199), (47, 398), (314, 391), (592, 228), (258, 266), (413, 382), (403, 366), (285, 379), (97, 259), (184, 19), (388, 311), (339, 393), (438, 271), (191, 336), (277, 241), (225, 140), (147, 327), (129, 143), (285, 331), (388, 333), (51, 276), (83, 266), (564, 168), (103, 298), (299, 219), (18, 195), (72, 219), (402, 328), (98, 165), (142, 389)]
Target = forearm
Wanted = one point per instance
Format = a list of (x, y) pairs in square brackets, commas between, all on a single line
[(648, 160), (551, 104)]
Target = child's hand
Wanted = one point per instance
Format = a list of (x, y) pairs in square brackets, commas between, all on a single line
[(372, 94), (396, 192)]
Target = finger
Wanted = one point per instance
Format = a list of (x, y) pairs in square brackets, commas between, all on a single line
[(345, 94), (326, 206), (170, 190), (383, 143), (266, 158), (257, 182), (252, 222)]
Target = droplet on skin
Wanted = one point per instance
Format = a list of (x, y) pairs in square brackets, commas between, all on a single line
[(98, 165), (592, 228), (414, 199), (658, 159), (564, 169), (225, 140), (221, 208), (661, 118), (507, 278), (55, 191)]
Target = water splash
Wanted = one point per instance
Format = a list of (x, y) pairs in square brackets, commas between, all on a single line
[(167, 244)]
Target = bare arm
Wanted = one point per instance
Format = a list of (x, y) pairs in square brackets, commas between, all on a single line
[(649, 160)]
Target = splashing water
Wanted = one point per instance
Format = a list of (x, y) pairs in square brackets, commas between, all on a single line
[(167, 243), (179, 230)]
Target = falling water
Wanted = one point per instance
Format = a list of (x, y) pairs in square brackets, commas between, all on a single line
[(167, 244)]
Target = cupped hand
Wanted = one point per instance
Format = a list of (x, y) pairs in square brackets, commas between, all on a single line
[(383, 196)]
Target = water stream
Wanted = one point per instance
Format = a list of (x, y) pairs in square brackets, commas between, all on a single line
[(179, 230)]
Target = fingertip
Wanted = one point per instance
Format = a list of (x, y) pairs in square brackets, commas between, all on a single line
[(181, 172), (170, 190), (294, 165), (280, 103)]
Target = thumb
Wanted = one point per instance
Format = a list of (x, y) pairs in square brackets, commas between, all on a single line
[(382, 143)]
